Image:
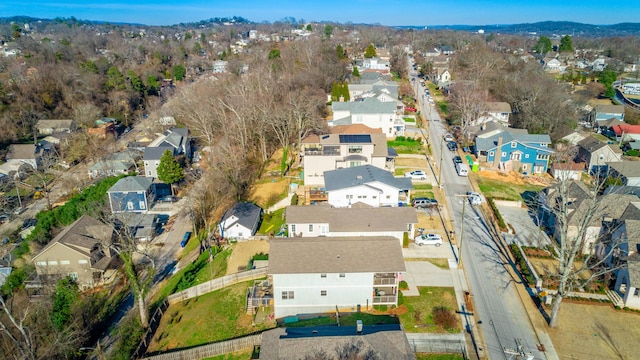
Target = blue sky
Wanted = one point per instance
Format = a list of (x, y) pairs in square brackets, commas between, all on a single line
[(388, 12)]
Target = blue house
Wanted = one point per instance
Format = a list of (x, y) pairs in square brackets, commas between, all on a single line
[(513, 149), (131, 194)]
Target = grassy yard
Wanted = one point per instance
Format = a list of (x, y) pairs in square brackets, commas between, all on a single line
[(422, 190), (347, 320), (506, 190), (406, 146), (409, 120), (216, 316), (271, 223), (419, 314), (238, 355)]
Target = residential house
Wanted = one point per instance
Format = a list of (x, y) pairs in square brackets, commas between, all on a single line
[(5, 271), (324, 220), (510, 149), (431, 53), (606, 112), (28, 154), (604, 211), (81, 251), (627, 171), (114, 164), (625, 133), (131, 194), (220, 66), (572, 138), (318, 275), (374, 85), (567, 170), (241, 221), (370, 112), (597, 155), (340, 150), (141, 227), (366, 184), (627, 256), (151, 159), (553, 65), (48, 127), (375, 63), (174, 139), (495, 111), (377, 341), (441, 77)]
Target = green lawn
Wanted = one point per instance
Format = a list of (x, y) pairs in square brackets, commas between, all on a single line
[(272, 222), (216, 316), (422, 193), (238, 355), (419, 317), (406, 147), (347, 320), (409, 120), (423, 187), (500, 190)]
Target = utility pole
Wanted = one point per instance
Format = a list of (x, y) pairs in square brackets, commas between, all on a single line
[(440, 164)]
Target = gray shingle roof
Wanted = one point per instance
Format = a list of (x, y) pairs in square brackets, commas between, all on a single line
[(155, 153), (379, 342), (610, 109), (359, 175), (83, 235), (626, 168), (355, 219), (367, 106), (247, 213), (335, 255), (131, 183), (488, 138)]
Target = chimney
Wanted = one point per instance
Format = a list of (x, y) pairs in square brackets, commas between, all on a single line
[(498, 154)]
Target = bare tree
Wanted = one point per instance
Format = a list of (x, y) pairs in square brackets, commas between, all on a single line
[(468, 101)]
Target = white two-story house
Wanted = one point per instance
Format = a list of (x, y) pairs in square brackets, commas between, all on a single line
[(368, 185), (324, 220), (334, 151), (174, 139), (316, 275), (371, 112)]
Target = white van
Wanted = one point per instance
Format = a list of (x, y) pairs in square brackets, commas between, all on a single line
[(462, 169)]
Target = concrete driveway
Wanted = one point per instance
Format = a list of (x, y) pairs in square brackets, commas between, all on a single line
[(527, 233), (428, 251)]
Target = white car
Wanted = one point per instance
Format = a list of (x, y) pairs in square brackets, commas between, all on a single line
[(416, 174), (448, 137), (428, 239), (474, 198)]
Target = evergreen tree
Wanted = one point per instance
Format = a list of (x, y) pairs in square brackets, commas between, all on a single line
[(370, 52), (345, 91), (566, 44), (543, 45), (179, 72), (169, 170), (65, 296), (355, 72), (328, 30), (340, 52)]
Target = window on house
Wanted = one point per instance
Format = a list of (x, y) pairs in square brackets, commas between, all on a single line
[(342, 275), (293, 228), (491, 153), (504, 154), (513, 144), (355, 149), (374, 197), (142, 205), (287, 295), (83, 262), (130, 205), (349, 197), (310, 227), (526, 156), (355, 163), (542, 157), (41, 263), (524, 166), (52, 262), (323, 292), (73, 275), (516, 156), (65, 262), (323, 275), (388, 197)]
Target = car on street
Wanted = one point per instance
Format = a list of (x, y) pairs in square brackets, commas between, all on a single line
[(416, 175), (424, 202), (474, 198), (452, 146), (428, 239), (448, 137), (185, 239), (457, 160)]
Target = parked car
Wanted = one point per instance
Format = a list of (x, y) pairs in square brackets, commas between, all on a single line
[(428, 239), (19, 210), (457, 160), (4, 218), (416, 174), (448, 137), (474, 198), (452, 146), (169, 199), (185, 239), (409, 109), (424, 202)]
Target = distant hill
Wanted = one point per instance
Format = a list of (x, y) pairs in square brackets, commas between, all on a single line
[(549, 28)]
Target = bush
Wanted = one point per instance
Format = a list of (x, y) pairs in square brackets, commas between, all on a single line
[(633, 152), (403, 285), (522, 264), (444, 318), (494, 208), (405, 240), (294, 199)]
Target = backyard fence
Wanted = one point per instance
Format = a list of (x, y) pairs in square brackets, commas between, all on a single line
[(216, 284), (438, 343), (154, 322), (210, 350)]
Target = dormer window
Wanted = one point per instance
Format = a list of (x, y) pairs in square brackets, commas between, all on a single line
[(513, 144)]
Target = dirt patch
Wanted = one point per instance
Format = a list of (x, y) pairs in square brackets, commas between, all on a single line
[(516, 178), (243, 251), (595, 332), (546, 267), (268, 193), (409, 162)]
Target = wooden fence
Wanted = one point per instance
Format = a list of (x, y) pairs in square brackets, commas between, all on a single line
[(216, 284), (154, 322), (210, 350)]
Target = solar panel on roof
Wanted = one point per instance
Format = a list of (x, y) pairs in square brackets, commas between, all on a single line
[(355, 138)]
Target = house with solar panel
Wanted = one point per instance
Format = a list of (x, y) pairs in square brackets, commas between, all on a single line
[(321, 153), (510, 149), (175, 139), (368, 185)]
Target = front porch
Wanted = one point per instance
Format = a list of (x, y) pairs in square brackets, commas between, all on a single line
[(259, 295), (385, 289)]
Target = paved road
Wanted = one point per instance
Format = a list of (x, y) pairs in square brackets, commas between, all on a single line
[(504, 320)]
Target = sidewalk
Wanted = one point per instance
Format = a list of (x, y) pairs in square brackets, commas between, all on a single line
[(282, 203)]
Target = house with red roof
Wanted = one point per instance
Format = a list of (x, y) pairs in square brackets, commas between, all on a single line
[(626, 132)]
